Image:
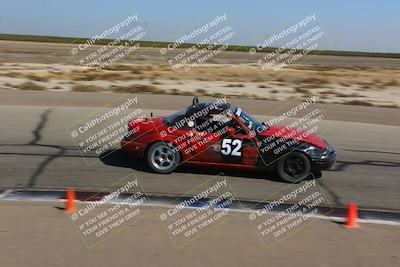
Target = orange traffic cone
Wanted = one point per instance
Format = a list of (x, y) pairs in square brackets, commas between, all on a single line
[(352, 215), (70, 206)]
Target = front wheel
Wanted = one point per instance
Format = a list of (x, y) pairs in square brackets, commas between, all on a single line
[(293, 167), (162, 158)]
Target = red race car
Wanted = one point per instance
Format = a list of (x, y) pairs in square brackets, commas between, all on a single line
[(218, 134)]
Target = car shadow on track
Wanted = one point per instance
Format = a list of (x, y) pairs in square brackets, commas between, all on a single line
[(119, 158)]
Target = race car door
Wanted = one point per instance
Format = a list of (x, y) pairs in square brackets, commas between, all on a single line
[(238, 149), (216, 145), (207, 140), (235, 146)]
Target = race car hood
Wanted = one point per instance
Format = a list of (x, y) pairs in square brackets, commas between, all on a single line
[(280, 131)]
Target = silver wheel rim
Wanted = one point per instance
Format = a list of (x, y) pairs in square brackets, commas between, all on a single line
[(162, 157)]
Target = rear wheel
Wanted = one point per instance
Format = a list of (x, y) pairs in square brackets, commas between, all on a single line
[(162, 158), (293, 167)]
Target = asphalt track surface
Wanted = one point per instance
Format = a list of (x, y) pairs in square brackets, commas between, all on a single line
[(37, 153)]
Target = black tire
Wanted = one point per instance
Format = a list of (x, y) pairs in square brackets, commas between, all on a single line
[(293, 167), (161, 158)]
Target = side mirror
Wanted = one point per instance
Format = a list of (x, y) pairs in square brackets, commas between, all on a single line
[(230, 131)]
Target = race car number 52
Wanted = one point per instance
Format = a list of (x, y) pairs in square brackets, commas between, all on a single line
[(231, 147)]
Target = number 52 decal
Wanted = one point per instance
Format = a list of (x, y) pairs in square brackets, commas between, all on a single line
[(231, 147)]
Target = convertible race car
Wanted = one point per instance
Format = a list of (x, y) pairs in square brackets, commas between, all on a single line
[(218, 134)]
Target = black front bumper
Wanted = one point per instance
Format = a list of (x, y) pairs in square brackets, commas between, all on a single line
[(326, 161)]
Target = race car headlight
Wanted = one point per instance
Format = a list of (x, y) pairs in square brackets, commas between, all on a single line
[(330, 150), (314, 152)]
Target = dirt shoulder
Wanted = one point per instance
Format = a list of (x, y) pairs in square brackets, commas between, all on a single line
[(40, 234), (351, 86), (332, 79)]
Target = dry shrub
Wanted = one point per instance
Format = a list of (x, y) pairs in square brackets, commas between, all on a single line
[(235, 85), (86, 88), (31, 86), (201, 91), (358, 103), (137, 88)]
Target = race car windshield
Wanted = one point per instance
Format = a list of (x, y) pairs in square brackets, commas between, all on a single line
[(249, 121), (178, 114)]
